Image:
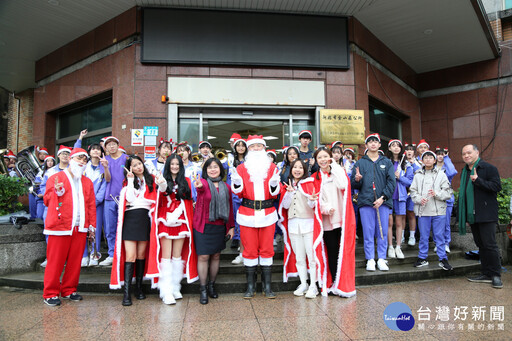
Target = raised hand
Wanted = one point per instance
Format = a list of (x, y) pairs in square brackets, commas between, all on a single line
[(474, 176), (129, 173), (358, 176), (160, 179), (104, 162), (82, 134), (197, 181), (58, 185), (314, 197), (289, 186)]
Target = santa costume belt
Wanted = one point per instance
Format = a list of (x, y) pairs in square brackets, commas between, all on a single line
[(258, 205)]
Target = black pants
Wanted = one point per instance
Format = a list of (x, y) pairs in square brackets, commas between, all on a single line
[(485, 238), (332, 244)]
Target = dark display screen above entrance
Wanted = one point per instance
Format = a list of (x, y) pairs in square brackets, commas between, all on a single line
[(243, 38)]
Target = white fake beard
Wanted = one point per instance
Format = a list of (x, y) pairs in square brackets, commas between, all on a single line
[(257, 164), (76, 169)]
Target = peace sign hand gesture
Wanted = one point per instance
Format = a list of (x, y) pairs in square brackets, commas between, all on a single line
[(314, 196), (197, 181), (104, 162), (358, 176), (129, 173), (289, 186)]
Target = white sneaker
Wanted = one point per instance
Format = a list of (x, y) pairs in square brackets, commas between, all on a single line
[(301, 289), (238, 260), (312, 291), (447, 248), (370, 265), (85, 262), (391, 252), (107, 261), (399, 253), (94, 261), (412, 241), (43, 264), (382, 264)]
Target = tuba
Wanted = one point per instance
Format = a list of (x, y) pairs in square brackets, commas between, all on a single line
[(28, 166), (221, 155), (3, 167)]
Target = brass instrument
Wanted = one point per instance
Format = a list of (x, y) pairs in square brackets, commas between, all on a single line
[(3, 166), (28, 166), (196, 157), (221, 155)]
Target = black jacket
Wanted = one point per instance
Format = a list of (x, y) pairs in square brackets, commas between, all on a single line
[(486, 188)]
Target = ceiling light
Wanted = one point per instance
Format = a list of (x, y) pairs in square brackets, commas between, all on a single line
[(211, 138), (270, 138)]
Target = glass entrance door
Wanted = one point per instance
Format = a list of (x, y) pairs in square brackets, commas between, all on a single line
[(278, 127)]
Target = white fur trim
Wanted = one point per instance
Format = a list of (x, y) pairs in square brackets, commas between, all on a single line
[(250, 262), (254, 141), (266, 261), (256, 221), (181, 235)]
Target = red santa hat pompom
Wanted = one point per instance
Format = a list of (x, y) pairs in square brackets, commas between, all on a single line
[(422, 141), (78, 152), (376, 136), (43, 150), (395, 140), (253, 139), (63, 149), (234, 137)]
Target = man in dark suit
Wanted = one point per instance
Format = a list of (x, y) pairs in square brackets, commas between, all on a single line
[(478, 205)]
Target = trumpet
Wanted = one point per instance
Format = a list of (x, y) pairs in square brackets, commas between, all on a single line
[(221, 155)]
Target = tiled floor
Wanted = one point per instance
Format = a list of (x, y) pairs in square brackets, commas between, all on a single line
[(24, 316)]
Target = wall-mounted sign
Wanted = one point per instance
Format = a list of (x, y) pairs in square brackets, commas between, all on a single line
[(137, 137), (342, 125), (149, 152)]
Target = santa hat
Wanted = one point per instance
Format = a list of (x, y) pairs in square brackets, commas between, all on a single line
[(49, 157), (381, 152), (376, 135), (306, 132), (395, 140), (253, 139), (63, 149), (428, 152), (78, 152), (10, 155), (285, 148), (406, 145), (235, 137), (422, 141), (272, 151), (110, 139), (205, 142), (349, 150), (240, 140), (336, 142), (121, 148), (43, 150)]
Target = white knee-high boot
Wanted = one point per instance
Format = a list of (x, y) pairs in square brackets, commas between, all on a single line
[(165, 282), (177, 276)]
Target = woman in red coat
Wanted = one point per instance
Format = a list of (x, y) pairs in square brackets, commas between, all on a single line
[(173, 234)]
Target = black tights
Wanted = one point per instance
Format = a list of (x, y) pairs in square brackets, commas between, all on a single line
[(332, 244), (202, 267)]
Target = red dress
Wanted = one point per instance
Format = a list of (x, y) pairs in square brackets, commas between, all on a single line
[(172, 221)]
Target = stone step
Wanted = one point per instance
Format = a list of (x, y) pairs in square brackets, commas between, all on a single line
[(235, 283)]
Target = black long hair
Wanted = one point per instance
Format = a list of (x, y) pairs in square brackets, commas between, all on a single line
[(403, 164), (183, 187), (96, 146), (337, 147), (45, 165), (237, 162), (148, 178), (304, 168), (285, 158)]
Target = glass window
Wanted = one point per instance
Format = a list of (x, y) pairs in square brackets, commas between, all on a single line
[(508, 4), (189, 131), (386, 123)]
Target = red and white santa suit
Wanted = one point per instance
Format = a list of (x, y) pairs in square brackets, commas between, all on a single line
[(71, 213), (318, 273), (174, 221), (257, 224), (117, 275), (345, 282)]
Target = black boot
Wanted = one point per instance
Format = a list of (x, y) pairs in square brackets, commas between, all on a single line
[(203, 294), (250, 272), (128, 274), (140, 265), (211, 290), (266, 281)]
